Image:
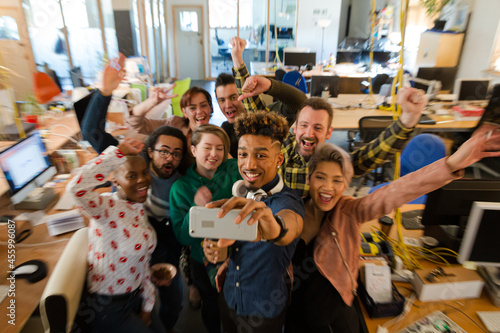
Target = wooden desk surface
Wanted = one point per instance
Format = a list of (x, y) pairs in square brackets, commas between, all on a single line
[(27, 295), (421, 309), (348, 119)]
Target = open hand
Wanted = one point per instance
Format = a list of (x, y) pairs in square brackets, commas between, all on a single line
[(493, 144), (473, 150), (159, 94), (113, 74), (130, 146)]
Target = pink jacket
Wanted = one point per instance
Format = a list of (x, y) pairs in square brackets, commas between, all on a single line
[(346, 217)]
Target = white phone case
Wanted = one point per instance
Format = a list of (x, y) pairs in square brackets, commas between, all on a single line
[(204, 223)]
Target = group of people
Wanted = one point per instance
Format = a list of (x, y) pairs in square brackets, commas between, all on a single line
[(292, 183)]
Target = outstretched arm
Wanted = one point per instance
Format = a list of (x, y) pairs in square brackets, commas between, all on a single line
[(395, 136), (240, 73), (94, 120)]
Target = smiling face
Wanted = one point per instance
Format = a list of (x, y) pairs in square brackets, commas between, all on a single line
[(209, 154), (198, 111), (258, 160), (227, 97), (326, 185), (165, 166), (311, 128), (133, 179)]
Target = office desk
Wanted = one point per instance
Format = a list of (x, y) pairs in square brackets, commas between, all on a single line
[(348, 119), (421, 309), (27, 295)]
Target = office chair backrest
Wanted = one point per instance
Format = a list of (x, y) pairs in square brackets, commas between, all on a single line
[(181, 86), (378, 81), (371, 126), (422, 150), (61, 297), (76, 77), (294, 78), (278, 74)]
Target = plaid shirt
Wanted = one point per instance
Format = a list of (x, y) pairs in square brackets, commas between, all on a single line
[(294, 170)]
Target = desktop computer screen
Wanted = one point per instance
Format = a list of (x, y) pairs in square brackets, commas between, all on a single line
[(446, 75), (481, 234), (451, 204), (321, 82), (26, 165), (299, 58), (471, 89)]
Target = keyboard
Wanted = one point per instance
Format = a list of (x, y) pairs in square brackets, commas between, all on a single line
[(412, 220), (490, 319)]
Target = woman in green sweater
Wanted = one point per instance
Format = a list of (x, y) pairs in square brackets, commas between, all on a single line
[(210, 178)]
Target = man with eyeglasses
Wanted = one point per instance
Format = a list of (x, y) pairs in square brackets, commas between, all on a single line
[(165, 153)]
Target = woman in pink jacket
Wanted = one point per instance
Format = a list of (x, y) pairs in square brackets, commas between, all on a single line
[(327, 271)]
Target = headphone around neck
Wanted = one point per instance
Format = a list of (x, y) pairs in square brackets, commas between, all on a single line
[(241, 191)]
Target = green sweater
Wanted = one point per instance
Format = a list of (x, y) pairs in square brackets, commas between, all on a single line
[(182, 199)]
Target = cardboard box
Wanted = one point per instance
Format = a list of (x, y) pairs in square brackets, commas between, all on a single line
[(460, 283)]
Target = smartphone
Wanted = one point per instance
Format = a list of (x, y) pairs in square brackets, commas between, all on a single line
[(204, 223)]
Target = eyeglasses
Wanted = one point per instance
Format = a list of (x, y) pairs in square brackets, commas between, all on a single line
[(165, 154)]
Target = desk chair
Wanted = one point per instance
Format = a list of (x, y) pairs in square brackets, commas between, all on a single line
[(294, 78), (369, 128), (44, 88), (422, 150), (278, 74), (61, 297), (377, 82)]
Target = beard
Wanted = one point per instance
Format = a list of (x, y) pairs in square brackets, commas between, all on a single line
[(164, 170)]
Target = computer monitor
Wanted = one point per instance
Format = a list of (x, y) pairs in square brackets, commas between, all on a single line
[(481, 234), (321, 82), (471, 89), (299, 58), (26, 166), (446, 75), (447, 208), (451, 204)]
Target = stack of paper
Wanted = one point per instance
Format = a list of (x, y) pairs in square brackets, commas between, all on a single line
[(64, 222)]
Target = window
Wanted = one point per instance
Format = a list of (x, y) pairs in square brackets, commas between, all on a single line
[(8, 28), (189, 21)]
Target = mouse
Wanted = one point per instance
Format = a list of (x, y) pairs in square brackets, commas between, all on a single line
[(26, 269)]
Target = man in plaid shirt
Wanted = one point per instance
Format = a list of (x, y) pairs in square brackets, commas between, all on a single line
[(313, 122)]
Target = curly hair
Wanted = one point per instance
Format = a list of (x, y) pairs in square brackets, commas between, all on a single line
[(328, 152), (262, 123), (168, 131)]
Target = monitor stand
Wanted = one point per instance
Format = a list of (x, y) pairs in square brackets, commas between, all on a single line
[(38, 199)]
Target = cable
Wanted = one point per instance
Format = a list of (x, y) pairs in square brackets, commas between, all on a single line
[(71, 139), (475, 323)]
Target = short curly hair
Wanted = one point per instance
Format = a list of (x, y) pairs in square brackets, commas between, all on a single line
[(264, 123)]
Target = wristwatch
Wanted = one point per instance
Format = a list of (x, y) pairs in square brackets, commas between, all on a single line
[(283, 230)]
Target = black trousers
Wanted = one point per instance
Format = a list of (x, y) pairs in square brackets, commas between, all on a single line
[(318, 307), (209, 297), (234, 323)]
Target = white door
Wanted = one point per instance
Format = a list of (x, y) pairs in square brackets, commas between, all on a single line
[(15, 51), (189, 42)]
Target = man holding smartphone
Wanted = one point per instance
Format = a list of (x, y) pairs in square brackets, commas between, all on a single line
[(255, 293)]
